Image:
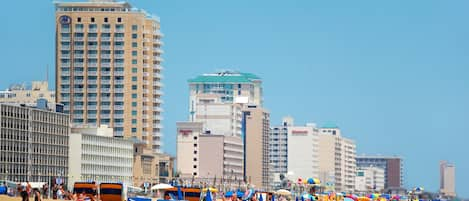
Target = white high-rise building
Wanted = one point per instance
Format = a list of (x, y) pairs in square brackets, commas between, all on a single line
[(447, 179), (278, 146), (369, 179), (302, 151), (337, 163)]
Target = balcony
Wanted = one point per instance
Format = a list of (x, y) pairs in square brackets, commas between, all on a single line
[(92, 116), (79, 47), (65, 39), (146, 82), (106, 30), (78, 116), (157, 58), (118, 56), (157, 117), (92, 98), (92, 90), (158, 67), (93, 30), (118, 98), (65, 99), (157, 32), (106, 65), (157, 109), (105, 47), (92, 56), (65, 30), (118, 90), (119, 65), (78, 90), (78, 56), (146, 74), (157, 126), (65, 56), (146, 116), (120, 30), (65, 47), (78, 107), (92, 64), (105, 98), (78, 30), (118, 81), (105, 107), (105, 38), (118, 107), (93, 39), (119, 47), (92, 81), (78, 99), (105, 116), (105, 90), (157, 41), (158, 50), (146, 108), (118, 116), (65, 82), (78, 73), (105, 56), (118, 73), (118, 124), (106, 73), (78, 39), (118, 39), (146, 40), (92, 47), (78, 81)]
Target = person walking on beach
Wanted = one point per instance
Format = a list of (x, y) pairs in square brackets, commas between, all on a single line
[(37, 195), (24, 194)]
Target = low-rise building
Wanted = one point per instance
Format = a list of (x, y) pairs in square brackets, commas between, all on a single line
[(392, 165), (33, 144), (150, 167), (27, 94), (98, 156), (369, 179)]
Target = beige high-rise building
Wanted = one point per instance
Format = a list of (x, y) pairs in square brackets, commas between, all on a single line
[(256, 146), (23, 94), (108, 68), (447, 179), (337, 163)]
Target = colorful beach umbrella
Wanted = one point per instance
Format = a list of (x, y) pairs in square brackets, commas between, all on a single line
[(208, 196), (273, 197)]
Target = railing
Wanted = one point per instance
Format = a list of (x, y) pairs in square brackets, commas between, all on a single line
[(65, 47)]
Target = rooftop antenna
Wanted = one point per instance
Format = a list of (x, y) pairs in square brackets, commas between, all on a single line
[(47, 73)]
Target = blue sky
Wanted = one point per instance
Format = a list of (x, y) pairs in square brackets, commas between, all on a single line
[(392, 74)]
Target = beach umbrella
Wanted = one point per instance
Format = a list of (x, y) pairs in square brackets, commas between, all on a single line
[(273, 197), (296, 198), (228, 194), (208, 196), (161, 186), (302, 198), (348, 199), (283, 192), (260, 197)]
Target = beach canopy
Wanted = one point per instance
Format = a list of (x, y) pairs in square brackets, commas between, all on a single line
[(211, 189), (161, 186), (348, 199), (208, 196), (313, 181), (134, 189), (283, 192)]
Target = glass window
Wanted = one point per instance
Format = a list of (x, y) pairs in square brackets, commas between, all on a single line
[(134, 87), (134, 78), (134, 121), (134, 44), (134, 36), (134, 70), (134, 104), (134, 95), (134, 112), (134, 61), (134, 27), (134, 53), (134, 130)]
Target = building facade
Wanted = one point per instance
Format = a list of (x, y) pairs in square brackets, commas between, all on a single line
[(224, 87), (393, 168), (278, 150), (369, 179), (28, 95), (201, 155), (220, 118), (149, 167), (303, 141), (33, 144), (98, 156), (447, 179), (339, 172), (108, 68), (256, 127)]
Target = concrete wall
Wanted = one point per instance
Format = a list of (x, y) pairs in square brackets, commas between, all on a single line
[(211, 156)]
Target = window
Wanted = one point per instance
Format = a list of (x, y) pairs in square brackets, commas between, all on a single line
[(134, 78), (134, 61), (92, 19), (134, 36), (134, 53), (134, 87), (79, 19), (105, 19), (134, 27), (195, 166), (134, 130), (119, 19), (134, 121), (134, 112), (134, 95), (134, 104), (134, 44)]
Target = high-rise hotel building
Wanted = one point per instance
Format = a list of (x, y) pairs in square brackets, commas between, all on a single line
[(108, 68)]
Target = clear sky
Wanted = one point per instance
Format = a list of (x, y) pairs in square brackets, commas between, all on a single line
[(394, 75)]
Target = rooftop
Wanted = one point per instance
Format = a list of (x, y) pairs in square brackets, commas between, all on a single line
[(330, 125), (226, 77)]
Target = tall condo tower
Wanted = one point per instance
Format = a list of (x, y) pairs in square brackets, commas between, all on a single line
[(108, 68)]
